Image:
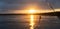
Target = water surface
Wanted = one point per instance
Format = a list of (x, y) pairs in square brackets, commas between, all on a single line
[(29, 22)]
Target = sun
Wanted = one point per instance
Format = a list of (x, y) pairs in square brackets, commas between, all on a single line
[(32, 11)]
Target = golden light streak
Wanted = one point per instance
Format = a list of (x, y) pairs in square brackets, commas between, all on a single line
[(32, 22)]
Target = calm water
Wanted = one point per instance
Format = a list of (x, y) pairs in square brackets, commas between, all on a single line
[(29, 22)]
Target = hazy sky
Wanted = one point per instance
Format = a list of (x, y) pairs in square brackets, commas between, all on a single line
[(7, 5)]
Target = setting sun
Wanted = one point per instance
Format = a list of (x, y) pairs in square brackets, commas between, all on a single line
[(32, 11)]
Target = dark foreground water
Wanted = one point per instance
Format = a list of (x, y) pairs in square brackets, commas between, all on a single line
[(23, 22)]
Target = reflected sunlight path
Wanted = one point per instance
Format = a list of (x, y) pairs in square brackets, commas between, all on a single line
[(32, 22)]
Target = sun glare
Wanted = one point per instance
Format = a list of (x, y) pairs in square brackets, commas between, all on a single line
[(32, 11)]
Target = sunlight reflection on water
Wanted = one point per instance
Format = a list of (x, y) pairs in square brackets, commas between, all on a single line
[(32, 22)]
